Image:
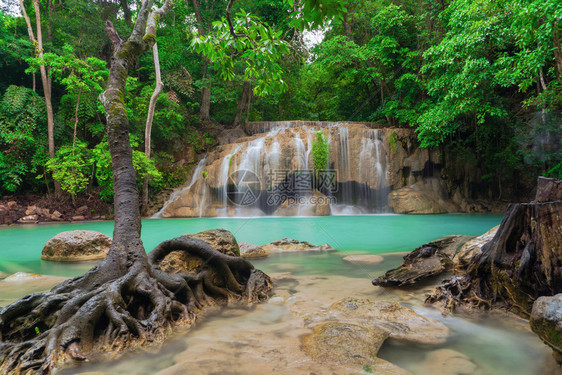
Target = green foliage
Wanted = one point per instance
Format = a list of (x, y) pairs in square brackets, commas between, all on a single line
[(320, 152), (104, 170), (22, 138), (257, 44), (72, 167), (392, 138)]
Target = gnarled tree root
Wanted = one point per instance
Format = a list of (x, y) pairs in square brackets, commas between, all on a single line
[(107, 311)]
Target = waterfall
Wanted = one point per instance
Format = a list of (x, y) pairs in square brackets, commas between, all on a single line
[(357, 152), (225, 167), (178, 192)]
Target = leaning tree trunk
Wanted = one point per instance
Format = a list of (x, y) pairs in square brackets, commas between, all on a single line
[(521, 263), (126, 300)]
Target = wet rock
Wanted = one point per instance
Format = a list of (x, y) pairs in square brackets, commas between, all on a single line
[(546, 322), (76, 246), (428, 260), (448, 362), (29, 219), (316, 204), (401, 323), (363, 259), (248, 250), (473, 248), (344, 343), (56, 216), (78, 218), (289, 244), (82, 210), (219, 239), (31, 210)]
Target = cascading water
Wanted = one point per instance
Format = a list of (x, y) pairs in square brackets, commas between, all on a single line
[(178, 192), (279, 161)]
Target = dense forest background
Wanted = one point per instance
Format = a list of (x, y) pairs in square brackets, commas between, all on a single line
[(481, 79)]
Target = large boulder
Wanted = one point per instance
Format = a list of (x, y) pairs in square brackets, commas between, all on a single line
[(289, 244), (546, 322), (76, 246), (219, 239), (428, 260)]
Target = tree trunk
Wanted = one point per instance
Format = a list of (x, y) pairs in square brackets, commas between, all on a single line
[(205, 110), (557, 51), (149, 119), (243, 105), (127, 300), (521, 263)]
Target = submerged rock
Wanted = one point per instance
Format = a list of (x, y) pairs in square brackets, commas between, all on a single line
[(546, 322), (363, 259), (21, 276), (248, 250), (449, 362), (76, 246), (289, 244), (344, 343), (428, 260), (400, 322)]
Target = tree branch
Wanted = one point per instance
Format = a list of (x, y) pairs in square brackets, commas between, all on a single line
[(113, 35)]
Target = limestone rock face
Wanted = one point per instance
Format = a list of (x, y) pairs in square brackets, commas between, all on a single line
[(289, 244), (428, 260), (424, 197), (248, 250), (219, 239), (76, 246), (546, 322)]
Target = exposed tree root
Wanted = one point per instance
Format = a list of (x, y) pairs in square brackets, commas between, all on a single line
[(103, 312)]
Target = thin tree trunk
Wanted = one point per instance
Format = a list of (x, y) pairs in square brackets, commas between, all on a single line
[(150, 118), (243, 105), (205, 109), (45, 80), (557, 51), (76, 120)]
